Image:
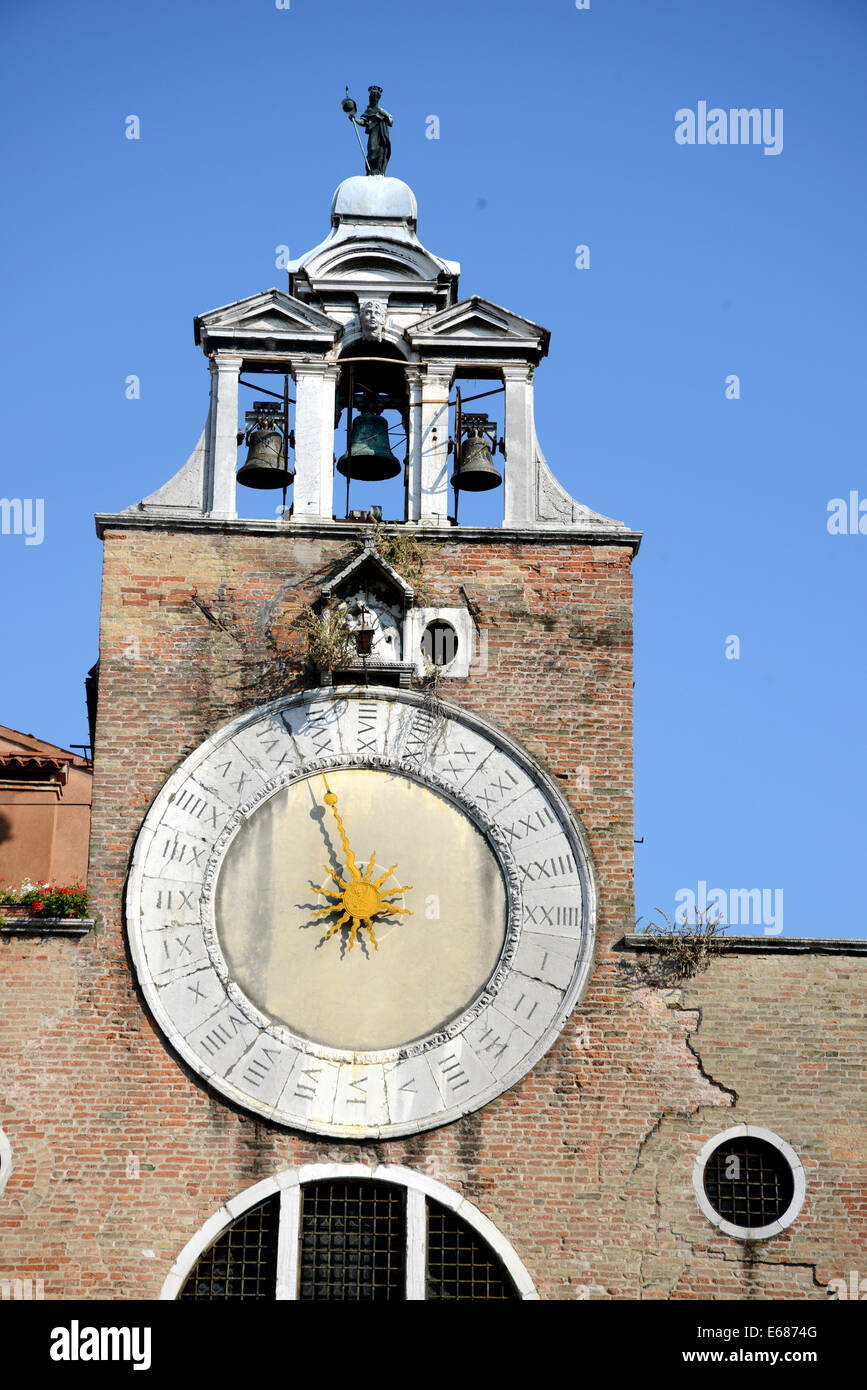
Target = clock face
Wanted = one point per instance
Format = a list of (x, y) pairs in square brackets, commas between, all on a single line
[(358, 915)]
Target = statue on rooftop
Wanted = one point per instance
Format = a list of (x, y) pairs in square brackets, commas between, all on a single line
[(375, 121)]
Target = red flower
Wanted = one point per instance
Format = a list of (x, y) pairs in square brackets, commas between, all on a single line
[(36, 905)]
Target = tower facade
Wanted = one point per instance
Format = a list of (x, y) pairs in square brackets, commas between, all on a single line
[(361, 1016)]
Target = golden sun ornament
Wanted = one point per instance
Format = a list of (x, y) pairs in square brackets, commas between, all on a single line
[(362, 898)]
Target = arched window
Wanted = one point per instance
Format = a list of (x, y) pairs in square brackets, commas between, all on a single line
[(343, 1232)]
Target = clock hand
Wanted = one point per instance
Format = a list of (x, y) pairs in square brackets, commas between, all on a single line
[(361, 899)]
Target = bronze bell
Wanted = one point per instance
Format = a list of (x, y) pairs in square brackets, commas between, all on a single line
[(475, 471), (369, 457), (266, 465)]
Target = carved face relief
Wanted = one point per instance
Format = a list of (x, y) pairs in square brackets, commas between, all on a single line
[(372, 318)]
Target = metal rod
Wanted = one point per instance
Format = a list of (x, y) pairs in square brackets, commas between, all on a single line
[(482, 394), (264, 389), (351, 115), (393, 361)]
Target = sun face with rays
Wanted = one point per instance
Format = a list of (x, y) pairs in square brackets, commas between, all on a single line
[(362, 897)]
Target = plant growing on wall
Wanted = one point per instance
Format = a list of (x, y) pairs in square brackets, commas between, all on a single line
[(692, 941), (328, 635), (401, 550)]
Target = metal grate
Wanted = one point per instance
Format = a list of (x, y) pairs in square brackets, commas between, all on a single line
[(748, 1182), (459, 1264), (352, 1241), (242, 1262)]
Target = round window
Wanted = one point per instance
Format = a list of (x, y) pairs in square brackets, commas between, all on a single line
[(439, 643), (749, 1182)]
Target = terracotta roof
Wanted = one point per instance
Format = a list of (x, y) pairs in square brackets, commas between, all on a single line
[(28, 744)]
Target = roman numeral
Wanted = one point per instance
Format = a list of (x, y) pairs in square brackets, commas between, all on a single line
[(182, 944), (554, 916), (242, 775), (214, 1041), (547, 868), (177, 853), (269, 741), (186, 899), (496, 1045), (496, 790), (417, 738), (454, 1073), (260, 1066), (196, 990), (361, 1098), (527, 825), (451, 763), (533, 1007), (367, 720), (320, 733), (306, 1090), (197, 806)]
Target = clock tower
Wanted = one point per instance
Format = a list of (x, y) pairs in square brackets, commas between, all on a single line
[(364, 810), (361, 1014)]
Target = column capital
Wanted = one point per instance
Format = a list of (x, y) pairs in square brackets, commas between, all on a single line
[(518, 371), (327, 371), (226, 362)]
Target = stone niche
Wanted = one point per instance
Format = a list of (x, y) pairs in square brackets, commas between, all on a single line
[(405, 639)]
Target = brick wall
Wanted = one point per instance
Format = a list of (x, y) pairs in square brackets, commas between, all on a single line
[(585, 1166)]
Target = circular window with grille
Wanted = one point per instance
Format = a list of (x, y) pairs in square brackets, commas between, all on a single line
[(345, 1233), (749, 1182)]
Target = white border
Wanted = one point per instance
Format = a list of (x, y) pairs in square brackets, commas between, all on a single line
[(749, 1232), (287, 1183), (460, 620)]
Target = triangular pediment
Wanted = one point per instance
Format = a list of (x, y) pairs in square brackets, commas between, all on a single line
[(479, 322), (270, 314), (368, 565)]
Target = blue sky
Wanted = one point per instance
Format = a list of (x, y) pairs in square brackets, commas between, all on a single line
[(556, 129)]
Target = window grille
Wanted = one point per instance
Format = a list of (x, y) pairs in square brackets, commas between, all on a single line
[(352, 1241), (748, 1182), (242, 1262), (459, 1264)]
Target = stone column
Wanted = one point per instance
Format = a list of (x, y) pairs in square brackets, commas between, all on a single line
[(432, 447), (222, 456), (413, 490), (315, 388), (520, 436)]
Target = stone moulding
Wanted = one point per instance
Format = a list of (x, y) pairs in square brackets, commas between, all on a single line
[(46, 926)]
